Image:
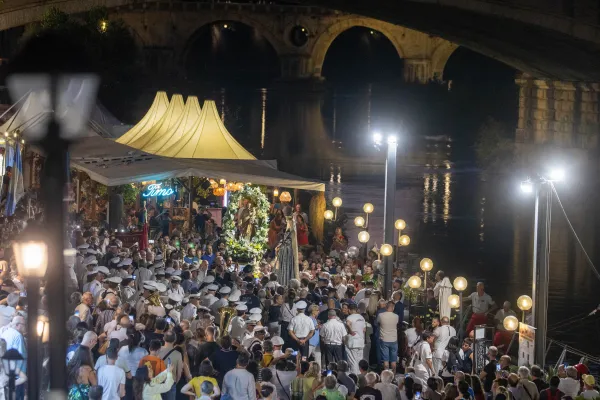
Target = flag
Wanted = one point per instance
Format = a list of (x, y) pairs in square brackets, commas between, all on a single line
[(15, 188)]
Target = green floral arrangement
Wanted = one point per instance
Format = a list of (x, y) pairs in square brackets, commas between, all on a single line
[(240, 248)]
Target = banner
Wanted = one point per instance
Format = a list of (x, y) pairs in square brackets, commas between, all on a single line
[(16, 189), (526, 345)]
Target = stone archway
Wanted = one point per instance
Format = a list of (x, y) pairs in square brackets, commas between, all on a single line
[(326, 38), (191, 32), (440, 57)]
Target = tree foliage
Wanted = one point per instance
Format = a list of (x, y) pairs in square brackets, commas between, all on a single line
[(494, 146), (111, 47)]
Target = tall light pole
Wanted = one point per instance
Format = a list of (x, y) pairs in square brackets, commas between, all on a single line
[(541, 187), (70, 86), (460, 284), (389, 204)]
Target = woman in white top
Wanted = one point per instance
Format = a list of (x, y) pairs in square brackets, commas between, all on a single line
[(147, 387), (413, 335)]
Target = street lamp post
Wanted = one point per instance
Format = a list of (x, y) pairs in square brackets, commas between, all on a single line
[(10, 362), (389, 202), (337, 202), (460, 284), (426, 266), (414, 282), (541, 186), (524, 303), (368, 209), (400, 225), (69, 87), (31, 254)]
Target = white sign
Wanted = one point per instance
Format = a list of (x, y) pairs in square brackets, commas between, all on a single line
[(526, 345)]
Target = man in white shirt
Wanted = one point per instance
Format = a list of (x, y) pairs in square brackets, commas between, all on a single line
[(442, 335), (340, 287), (482, 303), (225, 291), (301, 328), (423, 359), (237, 327), (355, 342), (332, 335), (210, 298), (388, 336), (121, 330), (569, 384), (111, 377), (239, 383), (589, 383), (191, 308), (97, 284)]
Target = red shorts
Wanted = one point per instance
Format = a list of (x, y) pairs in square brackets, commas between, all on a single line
[(476, 319), (502, 339)]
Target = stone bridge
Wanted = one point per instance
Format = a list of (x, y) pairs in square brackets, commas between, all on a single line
[(300, 35), (554, 39)]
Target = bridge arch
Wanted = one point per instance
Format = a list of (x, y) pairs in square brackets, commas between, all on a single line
[(192, 33), (440, 57), (326, 38)]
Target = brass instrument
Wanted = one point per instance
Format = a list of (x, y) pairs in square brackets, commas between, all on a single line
[(154, 300), (226, 314)]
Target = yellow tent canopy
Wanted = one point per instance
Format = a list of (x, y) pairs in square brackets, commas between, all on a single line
[(171, 129), (155, 113)]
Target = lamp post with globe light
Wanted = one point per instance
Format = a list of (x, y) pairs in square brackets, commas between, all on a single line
[(337, 202), (368, 209), (460, 284), (400, 225), (524, 303), (542, 187), (426, 265), (31, 256), (69, 88)]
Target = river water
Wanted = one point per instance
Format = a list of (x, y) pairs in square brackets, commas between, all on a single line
[(469, 223)]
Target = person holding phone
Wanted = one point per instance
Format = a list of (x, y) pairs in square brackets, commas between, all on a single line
[(169, 353)]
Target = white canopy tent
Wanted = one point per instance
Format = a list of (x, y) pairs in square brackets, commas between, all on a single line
[(112, 164)]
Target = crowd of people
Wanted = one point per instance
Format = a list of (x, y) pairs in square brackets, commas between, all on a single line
[(180, 319)]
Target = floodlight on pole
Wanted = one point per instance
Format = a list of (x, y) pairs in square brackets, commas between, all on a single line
[(556, 175)]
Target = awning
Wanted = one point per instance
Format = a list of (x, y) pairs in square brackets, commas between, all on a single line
[(112, 164)]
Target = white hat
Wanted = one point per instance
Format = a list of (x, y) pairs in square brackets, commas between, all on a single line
[(277, 341), (159, 264), (185, 300), (127, 261), (177, 272), (83, 246), (119, 265), (195, 296), (168, 307), (114, 279), (170, 270), (91, 251), (150, 285), (194, 268), (158, 257), (93, 272), (255, 310), (254, 318), (209, 279), (225, 290), (241, 307), (234, 296), (102, 269), (161, 287), (212, 287), (175, 278), (259, 328), (159, 271), (127, 277), (115, 260), (203, 308), (89, 260), (175, 297), (301, 305)]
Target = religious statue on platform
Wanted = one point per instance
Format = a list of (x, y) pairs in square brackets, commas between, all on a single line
[(246, 220), (287, 251)]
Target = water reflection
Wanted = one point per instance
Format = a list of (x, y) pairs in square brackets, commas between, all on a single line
[(263, 116)]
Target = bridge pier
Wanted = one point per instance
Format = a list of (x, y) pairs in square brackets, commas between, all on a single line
[(417, 70), (563, 114)]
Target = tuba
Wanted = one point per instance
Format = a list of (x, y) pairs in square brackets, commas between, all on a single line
[(154, 300), (226, 314)]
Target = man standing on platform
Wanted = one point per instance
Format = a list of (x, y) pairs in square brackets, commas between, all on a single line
[(482, 304)]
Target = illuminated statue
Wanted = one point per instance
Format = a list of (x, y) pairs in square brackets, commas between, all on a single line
[(287, 250), (246, 220)]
